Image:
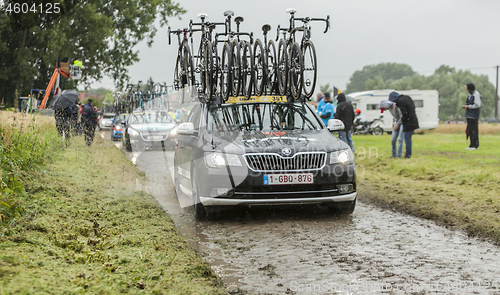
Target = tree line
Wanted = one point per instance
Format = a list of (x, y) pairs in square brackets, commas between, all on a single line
[(449, 82)]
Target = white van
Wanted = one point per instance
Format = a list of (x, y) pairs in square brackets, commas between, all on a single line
[(426, 106)]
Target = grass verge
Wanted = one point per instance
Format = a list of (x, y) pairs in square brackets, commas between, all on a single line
[(87, 228), (442, 181)]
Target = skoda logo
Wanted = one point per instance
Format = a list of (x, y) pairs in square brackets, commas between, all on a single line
[(287, 151)]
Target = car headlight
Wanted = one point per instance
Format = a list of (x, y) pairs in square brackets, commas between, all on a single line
[(343, 157), (132, 132), (220, 160), (173, 132)]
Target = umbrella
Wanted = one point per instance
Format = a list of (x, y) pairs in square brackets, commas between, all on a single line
[(64, 100)]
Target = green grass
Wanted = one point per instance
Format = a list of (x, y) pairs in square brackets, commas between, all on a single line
[(442, 181), (87, 228)]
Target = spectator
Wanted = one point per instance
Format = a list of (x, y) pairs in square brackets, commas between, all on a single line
[(321, 102), (63, 118), (90, 119), (345, 113), (75, 111), (397, 128), (326, 112), (409, 118), (472, 108)]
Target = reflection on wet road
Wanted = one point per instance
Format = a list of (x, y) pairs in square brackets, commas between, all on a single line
[(309, 251)]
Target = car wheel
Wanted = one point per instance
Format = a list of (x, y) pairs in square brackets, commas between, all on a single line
[(343, 208), (199, 211)]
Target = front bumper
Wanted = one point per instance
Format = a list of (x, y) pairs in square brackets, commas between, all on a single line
[(270, 202)]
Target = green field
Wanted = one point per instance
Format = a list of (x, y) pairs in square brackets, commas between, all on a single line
[(82, 225), (442, 181)]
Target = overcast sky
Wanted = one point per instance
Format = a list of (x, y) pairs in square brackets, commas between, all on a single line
[(424, 34)]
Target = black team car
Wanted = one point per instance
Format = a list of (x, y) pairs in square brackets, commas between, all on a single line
[(262, 152)]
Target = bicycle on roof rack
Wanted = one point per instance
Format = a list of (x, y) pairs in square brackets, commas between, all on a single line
[(236, 70), (297, 64), (184, 79), (270, 65), (204, 67)]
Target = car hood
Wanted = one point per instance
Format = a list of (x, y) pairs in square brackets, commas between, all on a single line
[(152, 127), (275, 141)]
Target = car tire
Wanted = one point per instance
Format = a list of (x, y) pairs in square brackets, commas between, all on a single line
[(199, 211), (343, 208)]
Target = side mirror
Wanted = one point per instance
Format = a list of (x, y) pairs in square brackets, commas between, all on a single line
[(335, 125), (124, 123), (186, 129)]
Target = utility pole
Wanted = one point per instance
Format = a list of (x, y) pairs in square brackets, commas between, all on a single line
[(496, 98)]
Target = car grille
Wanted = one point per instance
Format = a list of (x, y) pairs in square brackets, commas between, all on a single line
[(275, 162)]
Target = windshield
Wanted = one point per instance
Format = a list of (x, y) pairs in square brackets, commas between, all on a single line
[(150, 117), (262, 116)]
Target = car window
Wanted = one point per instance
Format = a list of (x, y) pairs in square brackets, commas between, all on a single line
[(150, 117), (262, 116)]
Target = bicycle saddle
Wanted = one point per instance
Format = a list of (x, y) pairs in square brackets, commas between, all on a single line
[(290, 10), (202, 15), (238, 19), (266, 28), (228, 13)]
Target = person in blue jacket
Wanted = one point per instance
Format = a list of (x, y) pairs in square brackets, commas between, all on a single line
[(327, 111)]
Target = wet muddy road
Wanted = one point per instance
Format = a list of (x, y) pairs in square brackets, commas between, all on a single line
[(309, 251)]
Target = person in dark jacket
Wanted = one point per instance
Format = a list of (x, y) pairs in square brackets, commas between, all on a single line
[(89, 120), (345, 113), (75, 110), (63, 118), (408, 118), (472, 107)]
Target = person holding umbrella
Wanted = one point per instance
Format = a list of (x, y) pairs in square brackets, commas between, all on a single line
[(61, 105), (89, 119)]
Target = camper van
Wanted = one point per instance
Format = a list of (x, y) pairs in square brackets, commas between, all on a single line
[(426, 106)]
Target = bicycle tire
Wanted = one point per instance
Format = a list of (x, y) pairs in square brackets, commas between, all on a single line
[(282, 69), (296, 70), (271, 67), (259, 63), (178, 75), (208, 60), (236, 70), (310, 69), (225, 72), (247, 73), (188, 71)]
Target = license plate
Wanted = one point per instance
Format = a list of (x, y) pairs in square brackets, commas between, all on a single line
[(296, 178), (155, 137)]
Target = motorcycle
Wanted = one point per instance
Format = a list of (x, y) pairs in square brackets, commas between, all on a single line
[(368, 127)]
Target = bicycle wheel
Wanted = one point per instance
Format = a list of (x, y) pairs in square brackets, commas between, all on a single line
[(271, 67), (282, 70), (225, 72), (178, 75), (247, 73), (296, 70), (208, 69), (188, 72), (310, 69), (259, 62), (236, 70)]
